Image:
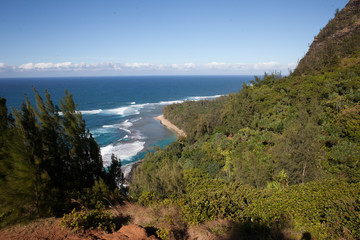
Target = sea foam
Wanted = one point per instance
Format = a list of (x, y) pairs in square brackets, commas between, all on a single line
[(133, 142), (134, 109), (124, 151), (203, 97), (96, 111)]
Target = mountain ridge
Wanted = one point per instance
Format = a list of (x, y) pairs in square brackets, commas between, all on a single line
[(335, 43)]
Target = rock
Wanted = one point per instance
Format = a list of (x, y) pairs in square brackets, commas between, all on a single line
[(132, 231)]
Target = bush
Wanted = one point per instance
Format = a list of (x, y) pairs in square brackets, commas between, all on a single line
[(89, 219), (162, 233), (327, 209), (146, 198), (90, 197), (209, 199)]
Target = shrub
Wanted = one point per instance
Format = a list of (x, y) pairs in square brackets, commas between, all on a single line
[(327, 209), (146, 198), (89, 219), (162, 233)]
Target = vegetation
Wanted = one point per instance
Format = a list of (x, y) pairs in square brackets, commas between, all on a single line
[(48, 160), (201, 116), (283, 153), (335, 43), (89, 219)]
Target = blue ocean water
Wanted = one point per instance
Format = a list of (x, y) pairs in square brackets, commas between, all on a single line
[(120, 111)]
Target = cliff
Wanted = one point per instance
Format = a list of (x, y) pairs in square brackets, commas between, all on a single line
[(337, 42)]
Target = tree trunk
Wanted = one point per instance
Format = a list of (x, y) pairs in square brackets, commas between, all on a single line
[(303, 173)]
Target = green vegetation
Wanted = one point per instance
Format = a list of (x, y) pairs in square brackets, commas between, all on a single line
[(281, 155), (335, 43), (201, 116), (49, 160), (89, 219), (283, 152)]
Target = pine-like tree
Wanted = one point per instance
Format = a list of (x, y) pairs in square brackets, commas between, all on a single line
[(25, 181), (84, 164), (115, 177), (46, 156), (53, 148)]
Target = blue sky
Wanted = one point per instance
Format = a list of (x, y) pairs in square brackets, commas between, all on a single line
[(155, 37)]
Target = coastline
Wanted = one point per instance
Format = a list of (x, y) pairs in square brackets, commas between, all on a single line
[(170, 126), (129, 168)]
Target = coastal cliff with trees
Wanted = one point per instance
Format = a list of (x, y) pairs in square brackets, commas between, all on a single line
[(283, 153), (280, 159)]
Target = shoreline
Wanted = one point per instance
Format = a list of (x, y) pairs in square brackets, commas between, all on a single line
[(129, 168), (170, 126)]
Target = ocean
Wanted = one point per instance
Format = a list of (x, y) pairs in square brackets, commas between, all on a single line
[(120, 111)]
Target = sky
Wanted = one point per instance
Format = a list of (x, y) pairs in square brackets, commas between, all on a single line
[(45, 38)]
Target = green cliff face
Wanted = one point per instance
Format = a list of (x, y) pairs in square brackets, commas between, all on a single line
[(337, 45)]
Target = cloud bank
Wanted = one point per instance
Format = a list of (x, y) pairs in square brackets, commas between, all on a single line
[(139, 68)]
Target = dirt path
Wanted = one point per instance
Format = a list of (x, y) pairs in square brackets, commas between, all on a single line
[(45, 229)]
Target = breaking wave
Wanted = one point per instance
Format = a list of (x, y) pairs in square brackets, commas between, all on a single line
[(134, 109), (124, 151)]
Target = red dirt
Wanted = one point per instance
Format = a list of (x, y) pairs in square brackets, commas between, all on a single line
[(46, 229)]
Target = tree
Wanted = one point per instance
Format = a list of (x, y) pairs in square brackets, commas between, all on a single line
[(84, 163), (45, 156), (239, 110), (25, 181), (115, 177), (298, 149)]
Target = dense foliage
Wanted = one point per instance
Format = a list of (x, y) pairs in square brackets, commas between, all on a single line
[(272, 155), (201, 116), (89, 219), (281, 154), (47, 158)]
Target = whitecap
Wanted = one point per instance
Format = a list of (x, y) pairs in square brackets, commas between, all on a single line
[(125, 124), (100, 130), (109, 126), (197, 98), (125, 111), (97, 111), (170, 102), (125, 137), (134, 109), (124, 151), (126, 169), (136, 135)]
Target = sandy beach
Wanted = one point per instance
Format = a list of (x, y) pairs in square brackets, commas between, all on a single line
[(170, 126)]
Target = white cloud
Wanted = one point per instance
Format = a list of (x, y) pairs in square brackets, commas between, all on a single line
[(145, 68), (139, 65), (27, 66), (5, 68)]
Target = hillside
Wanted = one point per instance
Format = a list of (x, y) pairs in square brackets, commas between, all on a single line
[(280, 158), (337, 44)]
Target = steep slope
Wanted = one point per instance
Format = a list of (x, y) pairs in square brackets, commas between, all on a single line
[(282, 153), (335, 43)]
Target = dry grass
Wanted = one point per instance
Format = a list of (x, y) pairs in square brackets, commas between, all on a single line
[(212, 230), (159, 217)]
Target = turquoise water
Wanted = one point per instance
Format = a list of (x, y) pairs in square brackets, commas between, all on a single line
[(120, 111)]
